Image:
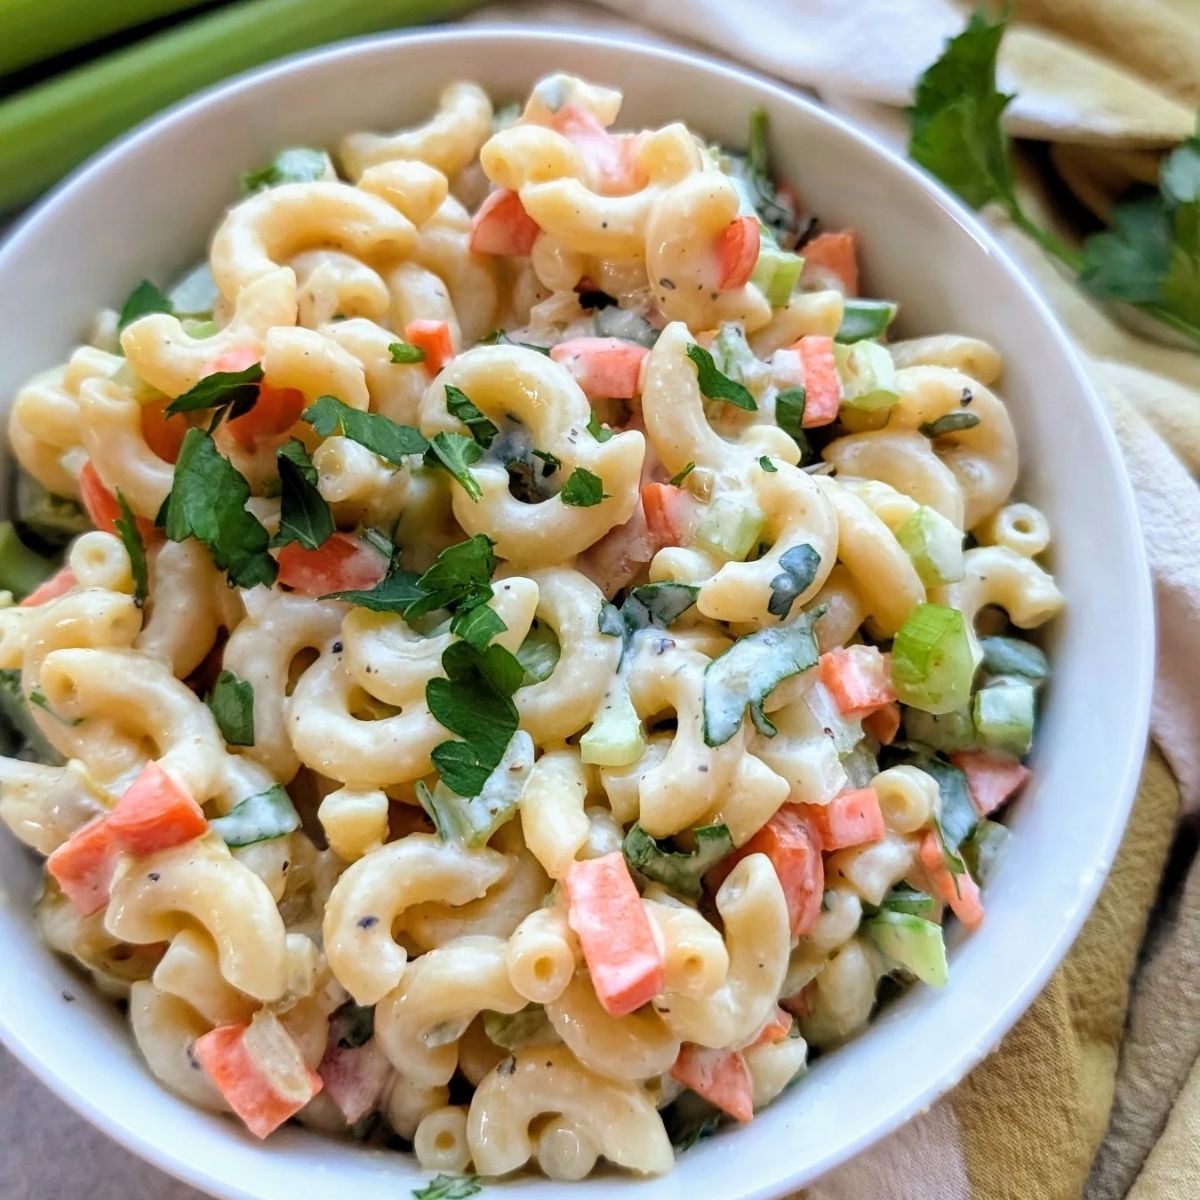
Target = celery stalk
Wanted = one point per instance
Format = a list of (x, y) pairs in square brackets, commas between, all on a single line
[(39, 29), (48, 129)]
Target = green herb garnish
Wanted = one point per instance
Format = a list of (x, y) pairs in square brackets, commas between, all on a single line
[(716, 386), (232, 704)]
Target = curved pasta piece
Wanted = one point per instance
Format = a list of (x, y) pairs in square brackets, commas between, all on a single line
[(200, 882), (183, 615), (543, 954), (620, 1118), (395, 389), (696, 958), (552, 816), (312, 364), (334, 285), (164, 1028), (191, 970), (373, 893), (44, 805)]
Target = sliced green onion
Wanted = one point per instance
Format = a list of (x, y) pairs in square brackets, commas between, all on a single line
[(258, 818), (1013, 656), (868, 376), (678, 871), (935, 546), (1004, 716), (911, 943), (932, 659), (730, 528), (865, 319)]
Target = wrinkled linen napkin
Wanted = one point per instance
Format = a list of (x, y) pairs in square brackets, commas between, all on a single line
[(1096, 1091)]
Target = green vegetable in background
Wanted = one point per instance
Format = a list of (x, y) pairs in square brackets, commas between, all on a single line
[(21, 569), (1151, 256)]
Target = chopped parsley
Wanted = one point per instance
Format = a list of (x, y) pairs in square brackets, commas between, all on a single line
[(582, 489), (232, 704), (389, 440), (716, 386)]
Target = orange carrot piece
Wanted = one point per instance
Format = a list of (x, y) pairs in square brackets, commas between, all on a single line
[(83, 865), (851, 818), (777, 1029), (625, 958), (155, 812), (884, 723), (502, 226), (837, 253), (959, 891), (666, 513), (341, 563), (604, 367), (59, 584), (223, 1055), (822, 384), (738, 245), (434, 338), (991, 778), (720, 1076), (859, 678), (164, 435)]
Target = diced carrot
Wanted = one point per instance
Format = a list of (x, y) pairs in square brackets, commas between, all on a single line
[(237, 358), (991, 778), (665, 507), (623, 954), (959, 891), (778, 1028), (837, 253), (275, 411), (789, 840), (851, 818), (720, 1076), (223, 1054), (83, 865), (342, 563), (884, 723), (502, 226), (822, 384), (737, 252), (155, 812), (163, 434), (800, 1003), (613, 165), (98, 502), (859, 678), (605, 367), (434, 338), (57, 585), (354, 1077)]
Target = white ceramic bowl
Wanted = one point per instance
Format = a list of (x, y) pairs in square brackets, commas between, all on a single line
[(145, 208)]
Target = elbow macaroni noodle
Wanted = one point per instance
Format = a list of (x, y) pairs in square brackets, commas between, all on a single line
[(348, 908)]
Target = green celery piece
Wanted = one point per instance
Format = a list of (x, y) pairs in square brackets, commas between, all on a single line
[(935, 546), (51, 519), (1013, 656), (868, 376), (932, 659), (946, 732), (1005, 715), (616, 738), (41, 133), (982, 851), (912, 943), (865, 319), (21, 569), (730, 528)]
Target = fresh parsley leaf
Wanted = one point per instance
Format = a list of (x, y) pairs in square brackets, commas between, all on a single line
[(958, 815), (800, 565), (601, 433), (231, 393), (146, 298), (460, 578), (655, 605), (474, 701), (789, 415), (1128, 261), (402, 352), (582, 489), (552, 461), (677, 480), (391, 441), (456, 452), (775, 208), (951, 422), (472, 820), (232, 704), (393, 593), (449, 1187), (678, 870), (304, 515), (208, 502), (131, 537), (716, 386), (459, 405), (477, 626), (258, 818), (767, 465), (296, 164)]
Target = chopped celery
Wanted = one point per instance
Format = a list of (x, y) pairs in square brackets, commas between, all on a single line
[(53, 520), (1013, 656), (868, 376), (195, 294), (21, 569), (863, 319), (732, 356), (730, 528), (624, 323), (776, 273), (615, 738), (680, 872), (472, 820), (258, 818), (983, 849), (935, 546), (511, 1031), (198, 327), (947, 732), (539, 653), (750, 670), (932, 659), (860, 765), (912, 943), (846, 732), (1004, 716)]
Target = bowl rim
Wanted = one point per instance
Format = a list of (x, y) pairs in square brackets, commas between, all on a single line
[(1140, 629)]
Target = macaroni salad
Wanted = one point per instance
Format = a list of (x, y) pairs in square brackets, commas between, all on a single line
[(532, 656)]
